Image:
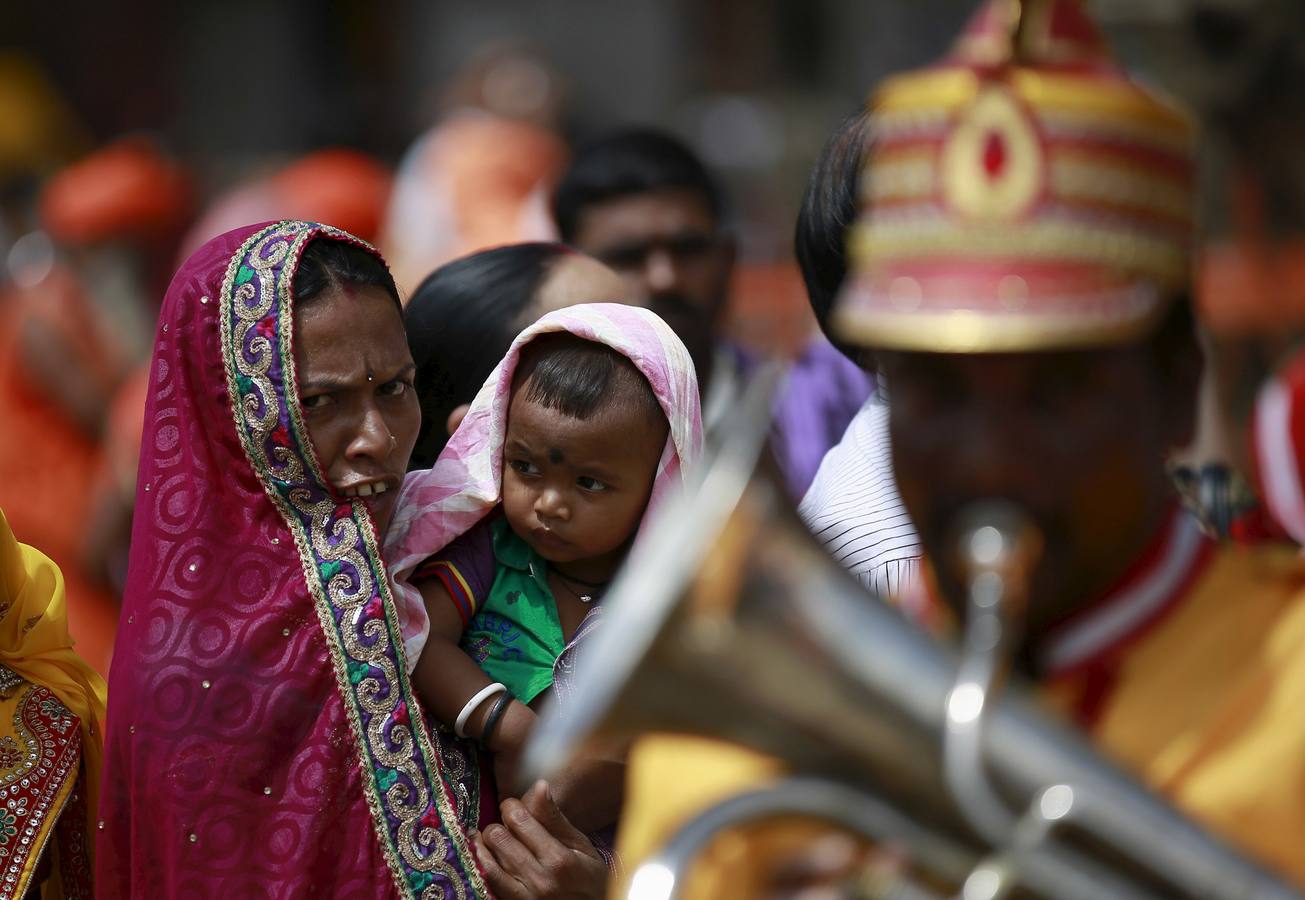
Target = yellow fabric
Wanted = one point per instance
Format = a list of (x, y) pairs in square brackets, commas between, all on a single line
[(677, 777), (1206, 708), (35, 644)]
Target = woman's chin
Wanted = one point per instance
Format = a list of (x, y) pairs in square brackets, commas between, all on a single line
[(382, 511)]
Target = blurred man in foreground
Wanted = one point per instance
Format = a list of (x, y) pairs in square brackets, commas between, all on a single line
[(1022, 271)]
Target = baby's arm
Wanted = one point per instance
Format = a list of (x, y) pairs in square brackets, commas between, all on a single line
[(446, 678)]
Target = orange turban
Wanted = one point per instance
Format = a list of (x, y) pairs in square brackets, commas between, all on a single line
[(340, 187), (128, 189)]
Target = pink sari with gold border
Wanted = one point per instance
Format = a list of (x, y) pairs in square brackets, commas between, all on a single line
[(263, 737)]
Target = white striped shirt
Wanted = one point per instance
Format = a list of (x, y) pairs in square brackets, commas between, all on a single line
[(853, 507)]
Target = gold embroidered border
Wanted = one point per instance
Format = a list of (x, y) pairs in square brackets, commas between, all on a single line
[(315, 548)]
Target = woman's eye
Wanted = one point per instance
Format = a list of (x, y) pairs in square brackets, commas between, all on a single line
[(396, 388), (523, 467), (317, 401), (590, 484)]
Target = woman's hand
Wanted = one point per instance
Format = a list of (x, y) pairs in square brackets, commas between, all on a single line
[(536, 854)]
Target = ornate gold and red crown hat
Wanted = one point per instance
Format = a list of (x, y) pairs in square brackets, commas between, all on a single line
[(1023, 194)]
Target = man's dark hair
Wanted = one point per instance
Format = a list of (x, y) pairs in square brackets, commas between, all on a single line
[(578, 377), (829, 208), (461, 321), (629, 162), (329, 262)]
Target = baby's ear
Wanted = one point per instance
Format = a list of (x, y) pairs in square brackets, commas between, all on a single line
[(455, 418)]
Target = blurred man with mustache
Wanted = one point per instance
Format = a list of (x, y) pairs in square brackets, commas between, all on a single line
[(644, 204)]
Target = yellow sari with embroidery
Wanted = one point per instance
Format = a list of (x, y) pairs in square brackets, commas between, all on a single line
[(51, 725)]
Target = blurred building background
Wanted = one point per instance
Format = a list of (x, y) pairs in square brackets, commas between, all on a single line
[(756, 83), (225, 94), (230, 85)]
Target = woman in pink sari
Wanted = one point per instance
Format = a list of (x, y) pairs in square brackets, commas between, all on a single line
[(263, 739)]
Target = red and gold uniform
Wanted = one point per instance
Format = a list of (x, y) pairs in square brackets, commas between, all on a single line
[(1190, 673)]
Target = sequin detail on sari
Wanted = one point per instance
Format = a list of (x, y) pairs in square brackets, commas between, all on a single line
[(38, 780), (413, 810)]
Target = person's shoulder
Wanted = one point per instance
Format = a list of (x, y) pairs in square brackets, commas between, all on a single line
[(1256, 590), (860, 459), (819, 355), (734, 355), (470, 554), (1271, 569), (821, 377)]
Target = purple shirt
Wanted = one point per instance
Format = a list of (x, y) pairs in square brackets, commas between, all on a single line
[(822, 394)]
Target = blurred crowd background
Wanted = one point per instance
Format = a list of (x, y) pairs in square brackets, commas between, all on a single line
[(131, 132)]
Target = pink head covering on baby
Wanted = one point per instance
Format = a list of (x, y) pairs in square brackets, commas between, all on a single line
[(440, 504)]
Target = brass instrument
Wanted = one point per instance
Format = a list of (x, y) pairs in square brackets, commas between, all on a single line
[(730, 621)]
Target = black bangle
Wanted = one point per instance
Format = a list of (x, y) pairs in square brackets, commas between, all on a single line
[(491, 720)]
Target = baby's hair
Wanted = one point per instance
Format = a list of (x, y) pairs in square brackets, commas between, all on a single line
[(578, 377)]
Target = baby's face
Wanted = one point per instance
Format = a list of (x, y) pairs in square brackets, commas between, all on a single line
[(575, 489)]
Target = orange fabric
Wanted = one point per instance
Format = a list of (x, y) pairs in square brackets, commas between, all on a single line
[(47, 462), (340, 187), (128, 189), (474, 181), (123, 431), (494, 165), (1248, 287), (768, 310), (336, 186), (48, 466)]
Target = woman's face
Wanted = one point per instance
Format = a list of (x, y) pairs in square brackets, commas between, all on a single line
[(355, 386)]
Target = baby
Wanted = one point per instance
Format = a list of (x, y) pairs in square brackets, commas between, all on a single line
[(586, 442)]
